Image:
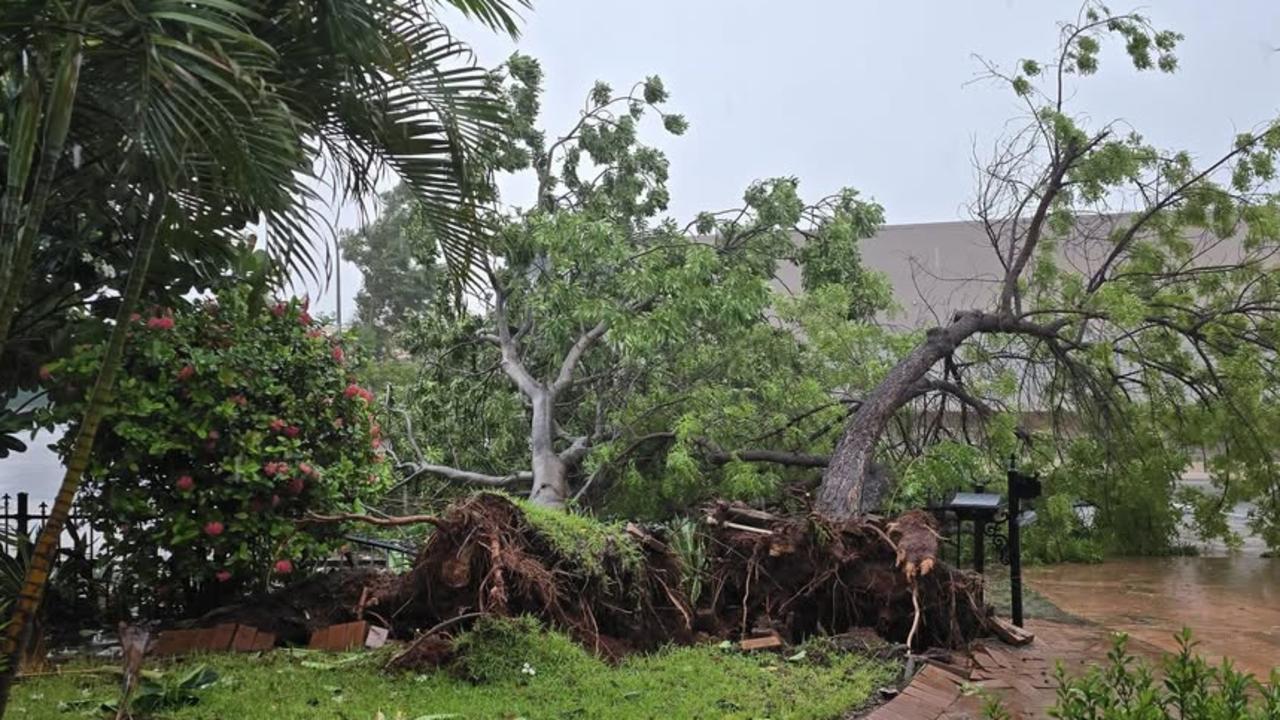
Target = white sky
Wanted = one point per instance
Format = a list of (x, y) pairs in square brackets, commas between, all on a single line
[(872, 95)]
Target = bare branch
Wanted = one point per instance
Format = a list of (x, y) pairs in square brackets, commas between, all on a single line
[(467, 476), (371, 520), (777, 457), (571, 359), (511, 363)]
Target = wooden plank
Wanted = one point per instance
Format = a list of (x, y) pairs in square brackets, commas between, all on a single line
[(750, 513), (768, 642), (1010, 633)]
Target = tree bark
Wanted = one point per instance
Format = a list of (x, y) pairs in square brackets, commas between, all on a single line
[(550, 482), (36, 577), (19, 229), (843, 492)]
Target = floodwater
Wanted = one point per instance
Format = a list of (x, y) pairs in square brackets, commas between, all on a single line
[(1231, 604)]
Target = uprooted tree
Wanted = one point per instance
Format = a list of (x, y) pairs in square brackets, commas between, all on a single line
[(1134, 293), (633, 358), (591, 304)]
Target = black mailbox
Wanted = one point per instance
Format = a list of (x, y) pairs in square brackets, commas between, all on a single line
[(981, 508), (1023, 487)]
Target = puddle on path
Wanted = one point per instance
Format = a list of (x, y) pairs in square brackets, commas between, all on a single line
[(1232, 604)]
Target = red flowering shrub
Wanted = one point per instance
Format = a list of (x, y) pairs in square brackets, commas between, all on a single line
[(230, 422)]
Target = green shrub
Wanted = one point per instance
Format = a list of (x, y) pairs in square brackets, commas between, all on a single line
[(1058, 535), (231, 420), (1191, 689)]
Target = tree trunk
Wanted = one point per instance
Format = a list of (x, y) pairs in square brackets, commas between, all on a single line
[(21, 229), (550, 484), (37, 573), (844, 489)]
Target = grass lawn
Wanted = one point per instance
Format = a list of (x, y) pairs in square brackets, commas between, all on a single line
[(530, 675)]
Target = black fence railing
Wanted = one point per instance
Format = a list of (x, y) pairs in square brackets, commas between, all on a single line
[(18, 520)]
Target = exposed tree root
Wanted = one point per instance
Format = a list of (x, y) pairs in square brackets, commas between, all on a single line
[(619, 589)]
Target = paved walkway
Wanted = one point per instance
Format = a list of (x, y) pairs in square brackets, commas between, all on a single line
[(1022, 677)]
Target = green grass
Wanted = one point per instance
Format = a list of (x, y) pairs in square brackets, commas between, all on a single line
[(561, 681), (584, 539)]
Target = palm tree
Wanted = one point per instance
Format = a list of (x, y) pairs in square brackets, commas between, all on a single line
[(167, 122)]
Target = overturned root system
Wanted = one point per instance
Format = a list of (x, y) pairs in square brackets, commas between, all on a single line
[(801, 576), (623, 588), (613, 589)]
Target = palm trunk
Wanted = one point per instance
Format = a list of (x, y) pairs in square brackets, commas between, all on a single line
[(18, 234), (550, 484), (37, 573)]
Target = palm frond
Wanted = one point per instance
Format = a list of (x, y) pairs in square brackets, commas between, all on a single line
[(496, 14)]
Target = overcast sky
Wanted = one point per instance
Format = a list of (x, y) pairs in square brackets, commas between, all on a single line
[(873, 95)]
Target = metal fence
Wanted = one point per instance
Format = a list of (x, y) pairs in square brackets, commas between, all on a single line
[(19, 520)]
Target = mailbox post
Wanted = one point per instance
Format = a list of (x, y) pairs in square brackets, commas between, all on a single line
[(981, 508), (1021, 487)]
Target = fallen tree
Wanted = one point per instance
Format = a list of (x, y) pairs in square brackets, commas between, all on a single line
[(621, 588), (1129, 280)]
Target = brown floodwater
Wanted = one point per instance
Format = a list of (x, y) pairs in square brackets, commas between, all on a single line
[(1232, 604)]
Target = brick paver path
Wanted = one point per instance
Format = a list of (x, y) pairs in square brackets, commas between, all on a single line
[(1022, 677)]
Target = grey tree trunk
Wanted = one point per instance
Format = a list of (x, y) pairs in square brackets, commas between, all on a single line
[(550, 484)]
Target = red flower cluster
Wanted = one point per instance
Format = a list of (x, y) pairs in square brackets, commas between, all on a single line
[(185, 483), (292, 431), (160, 323), (354, 390), (279, 309), (186, 373), (276, 425), (338, 356), (213, 528), (284, 567), (275, 468)]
